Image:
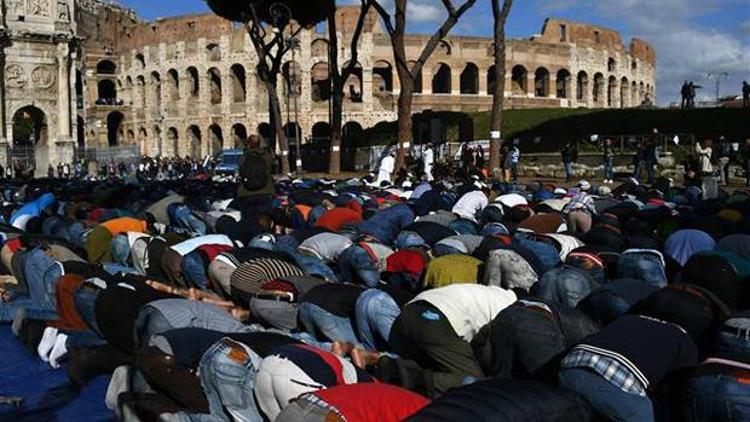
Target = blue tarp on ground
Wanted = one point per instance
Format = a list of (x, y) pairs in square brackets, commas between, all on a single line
[(47, 393)]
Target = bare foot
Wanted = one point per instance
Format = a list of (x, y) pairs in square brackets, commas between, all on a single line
[(363, 358), (4, 296), (342, 348)]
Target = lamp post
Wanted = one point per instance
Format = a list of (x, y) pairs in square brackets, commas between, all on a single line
[(281, 15), (293, 44)]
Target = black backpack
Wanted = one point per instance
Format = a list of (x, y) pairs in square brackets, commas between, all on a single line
[(253, 172)]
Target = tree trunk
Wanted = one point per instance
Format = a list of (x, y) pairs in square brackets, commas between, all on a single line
[(405, 131), (406, 80), (498, 96), (274, 109)]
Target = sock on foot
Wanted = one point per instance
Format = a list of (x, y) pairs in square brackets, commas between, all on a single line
[(48, 342), (59, 351), (18, 321)]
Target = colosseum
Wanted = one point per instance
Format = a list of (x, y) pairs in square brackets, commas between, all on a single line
[(84, 74)]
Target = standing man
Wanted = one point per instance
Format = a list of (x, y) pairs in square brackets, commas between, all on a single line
[(724, 152), (256, 186), (685, 92), (515, 158), (745, 94), (428, 158), (609, 159), (745, 157), (650, 157), (387, 165), (569, 156)]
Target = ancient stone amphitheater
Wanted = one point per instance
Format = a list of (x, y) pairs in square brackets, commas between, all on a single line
[(186, 85)]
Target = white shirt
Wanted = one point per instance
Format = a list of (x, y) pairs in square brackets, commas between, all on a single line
[(190, 245), (387, 165), (704, 157), (468, 307), (470, 205), (429, 157)]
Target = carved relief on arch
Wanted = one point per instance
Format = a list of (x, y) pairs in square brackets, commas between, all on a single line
[(15, 77), (39, 7), (42, 77)]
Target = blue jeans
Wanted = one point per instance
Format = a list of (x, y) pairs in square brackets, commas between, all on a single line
[(606, 398), (181, 216), (565, 285), (84, 339), (356, 266), (375, 311), (85, 301), (120, 249), (650, 170), (638, 169), (716, 397), (286, 244), (77, 234), (464, 226), (735, 346), (642, 266), (194, 270), (313, 266), (116, 269), (609, 171), (41, 273), (227, 371), (55, 226), (568, 170), (408, 239), (317, 320)]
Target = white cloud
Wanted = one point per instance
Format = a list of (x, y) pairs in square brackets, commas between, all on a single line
[(684, 49), (424, 11)]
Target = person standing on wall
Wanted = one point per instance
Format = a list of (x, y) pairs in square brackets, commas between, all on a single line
[(505, 163), (515, 158), (608, 153), (745, 159), (650, 157), (569, 156), (428, 160)]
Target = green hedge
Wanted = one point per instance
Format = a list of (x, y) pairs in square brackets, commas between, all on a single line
[(555, 125)]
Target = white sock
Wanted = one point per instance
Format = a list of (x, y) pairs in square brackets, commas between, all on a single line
[(58, 351), (48, 342)]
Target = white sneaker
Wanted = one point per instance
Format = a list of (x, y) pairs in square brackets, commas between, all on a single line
[(119, 383), (47, 344), (59, 351)]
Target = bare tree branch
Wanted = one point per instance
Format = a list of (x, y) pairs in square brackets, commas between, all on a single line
[(449, 7), (384, 15), (441, 33), (364, 10)]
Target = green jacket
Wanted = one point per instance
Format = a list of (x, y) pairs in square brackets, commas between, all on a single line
[(270, 187)]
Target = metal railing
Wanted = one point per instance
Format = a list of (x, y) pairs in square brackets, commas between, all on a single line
[(118, 154)]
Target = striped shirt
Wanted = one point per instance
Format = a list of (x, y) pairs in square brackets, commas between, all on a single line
[(251, 275)]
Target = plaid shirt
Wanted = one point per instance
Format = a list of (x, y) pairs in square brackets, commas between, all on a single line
[(582, 201), (612, 367)]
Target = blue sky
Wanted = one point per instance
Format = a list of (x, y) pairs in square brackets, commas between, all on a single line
[(691, 37)]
